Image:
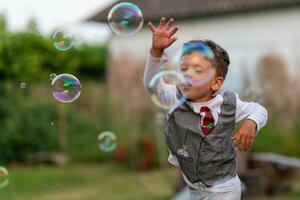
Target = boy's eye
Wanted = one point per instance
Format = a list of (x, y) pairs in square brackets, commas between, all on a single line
[(183, 68), (198, 69)]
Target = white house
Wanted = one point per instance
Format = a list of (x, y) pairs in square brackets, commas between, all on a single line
[(247, 29)]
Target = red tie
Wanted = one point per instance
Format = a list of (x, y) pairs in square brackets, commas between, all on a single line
[(207, 124)]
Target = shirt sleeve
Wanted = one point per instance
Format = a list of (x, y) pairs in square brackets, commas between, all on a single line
[(166, 92), (153, 66), (251, 110)]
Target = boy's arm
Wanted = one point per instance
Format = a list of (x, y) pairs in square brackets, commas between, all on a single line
[(255, 117), (166, 92), (162, 38), (251, 111), (153, 66)]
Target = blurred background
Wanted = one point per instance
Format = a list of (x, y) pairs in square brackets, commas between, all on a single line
[(50, 149)]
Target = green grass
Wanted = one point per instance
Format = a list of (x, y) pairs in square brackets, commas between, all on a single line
[(288, 197), (87, 182), (279, 198), (293, 195), (96, 182)]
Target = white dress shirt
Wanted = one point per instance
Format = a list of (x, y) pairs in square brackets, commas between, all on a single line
[(244, 110)]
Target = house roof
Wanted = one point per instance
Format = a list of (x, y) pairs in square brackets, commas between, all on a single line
[(184, 9)]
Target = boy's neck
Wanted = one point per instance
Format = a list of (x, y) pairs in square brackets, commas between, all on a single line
[(203, 99)]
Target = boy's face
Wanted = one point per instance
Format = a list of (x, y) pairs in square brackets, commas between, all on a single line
[(200, 73)]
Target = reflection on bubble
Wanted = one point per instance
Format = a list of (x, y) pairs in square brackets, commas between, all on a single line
[(66, 88), (163, 89), (107, 141), (62, 40), (22, 85), (198, 46), (193, 46), (52, 76), (125, 19), (3, 177)]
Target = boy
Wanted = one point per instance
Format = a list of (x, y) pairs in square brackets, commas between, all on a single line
[(200, 132)]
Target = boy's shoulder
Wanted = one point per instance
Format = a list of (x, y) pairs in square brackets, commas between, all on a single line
[(228, 93)]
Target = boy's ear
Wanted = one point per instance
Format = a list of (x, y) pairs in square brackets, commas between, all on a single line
[(217, 84)]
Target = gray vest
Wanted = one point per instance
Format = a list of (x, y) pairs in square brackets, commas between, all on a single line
[(207, 159)]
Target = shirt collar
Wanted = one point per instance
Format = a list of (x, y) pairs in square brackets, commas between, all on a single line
[(208, 103)]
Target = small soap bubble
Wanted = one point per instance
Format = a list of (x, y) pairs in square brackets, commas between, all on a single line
[(3, 177), (66, 88), (52, 76), (163, 89), (23, 85), (125, 19), (107, 141), (63, 40)]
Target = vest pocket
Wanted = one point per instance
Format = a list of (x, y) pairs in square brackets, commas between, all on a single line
[(185, 158), (189, 169), (210, 172)]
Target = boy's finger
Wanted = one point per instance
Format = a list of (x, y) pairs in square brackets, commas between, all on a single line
[(247, 144), (152, 28), (169, 24), (162, 22), (233, 137), (250, 143), (236, 139), (173, 39), (173, 31), (243, 143)]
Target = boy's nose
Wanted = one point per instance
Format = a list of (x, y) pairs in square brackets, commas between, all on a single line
[(187, 80), (187, 76)]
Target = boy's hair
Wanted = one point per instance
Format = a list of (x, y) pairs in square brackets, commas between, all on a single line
[(221, 58)]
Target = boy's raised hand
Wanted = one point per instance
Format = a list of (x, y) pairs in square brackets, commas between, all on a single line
[(244, 137), (162, 36)]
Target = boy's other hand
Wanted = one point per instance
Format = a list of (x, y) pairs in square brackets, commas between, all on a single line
[(244, 137), (162, 36)]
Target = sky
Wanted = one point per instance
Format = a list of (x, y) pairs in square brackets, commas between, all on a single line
[(56, 14)]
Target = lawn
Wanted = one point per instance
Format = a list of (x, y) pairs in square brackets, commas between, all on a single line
[(96, 182), (87, 182)]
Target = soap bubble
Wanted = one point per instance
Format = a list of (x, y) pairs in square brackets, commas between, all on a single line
[(196, 57), (3, 177), (52, 76), (23, 85), (62, 40), (164, 91), (107, 141), (125, 19), (66, 88), (192, 46)]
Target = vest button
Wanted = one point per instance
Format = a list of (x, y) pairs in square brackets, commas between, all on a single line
[(203, 152)]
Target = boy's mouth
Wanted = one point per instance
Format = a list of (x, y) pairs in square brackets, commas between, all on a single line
[(186, 85)]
